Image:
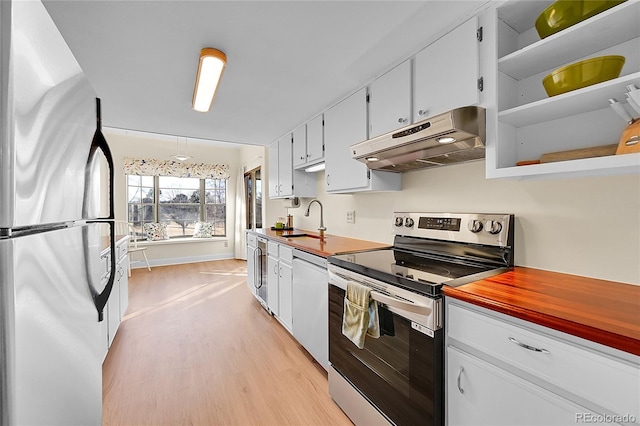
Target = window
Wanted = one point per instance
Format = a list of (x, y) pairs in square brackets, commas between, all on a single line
[(253, 201), (179, 202)]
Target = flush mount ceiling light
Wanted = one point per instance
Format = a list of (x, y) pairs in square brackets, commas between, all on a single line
[(372, 159), (181, 156), (446, 139), (210, 68)]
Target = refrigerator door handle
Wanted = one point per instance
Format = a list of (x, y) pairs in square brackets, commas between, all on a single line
[(99, 142)]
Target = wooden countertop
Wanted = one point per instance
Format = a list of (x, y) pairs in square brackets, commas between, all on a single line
[(602, 311), (325, 247)]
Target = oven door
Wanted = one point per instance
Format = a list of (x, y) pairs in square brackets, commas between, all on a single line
[(400, 373)]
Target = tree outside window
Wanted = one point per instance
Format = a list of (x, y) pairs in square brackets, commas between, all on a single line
[(180, 203)]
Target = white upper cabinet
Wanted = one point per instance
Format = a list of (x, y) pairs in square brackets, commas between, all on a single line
[(285, 166), (300, 146), (273, 170), (346, 124), (315, 139), (447, 72), (527, 123), (390, 100), (284, 181), (281, 168), (308, 143)]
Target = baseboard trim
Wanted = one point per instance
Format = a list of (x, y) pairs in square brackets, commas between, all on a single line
[(166, 261)]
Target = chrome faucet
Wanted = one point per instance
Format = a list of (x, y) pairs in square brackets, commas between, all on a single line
[(322, 227)]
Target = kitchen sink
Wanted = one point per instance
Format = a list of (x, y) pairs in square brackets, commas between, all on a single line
[(301, 235)]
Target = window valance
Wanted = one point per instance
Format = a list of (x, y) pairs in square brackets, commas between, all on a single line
[(139, 166)]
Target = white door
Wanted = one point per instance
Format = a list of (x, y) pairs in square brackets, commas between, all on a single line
[(390, 100), (285, 294), (315, 139), (274, 180), (273, 273), (344, 125), (285, 166), (479, 393), (446, 73), (300, 146)]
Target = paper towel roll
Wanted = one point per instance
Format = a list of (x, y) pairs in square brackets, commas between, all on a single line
[(292, 203)]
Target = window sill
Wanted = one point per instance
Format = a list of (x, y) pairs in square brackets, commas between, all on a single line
[(186, 240)]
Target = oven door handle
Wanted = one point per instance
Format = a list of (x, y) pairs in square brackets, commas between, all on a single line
[(415, 308)]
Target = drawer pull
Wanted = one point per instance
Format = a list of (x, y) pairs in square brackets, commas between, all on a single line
[(531, 348), (459, 378)]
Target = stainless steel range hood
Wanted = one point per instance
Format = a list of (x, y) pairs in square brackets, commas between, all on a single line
[(426, 144)]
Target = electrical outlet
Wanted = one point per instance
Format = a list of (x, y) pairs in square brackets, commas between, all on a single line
[(351, 216)]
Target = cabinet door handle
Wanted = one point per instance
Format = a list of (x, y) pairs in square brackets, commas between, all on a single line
[(422, 112), (531, 348), (402, 120), (275, 269), (328, 184), (459, 379)]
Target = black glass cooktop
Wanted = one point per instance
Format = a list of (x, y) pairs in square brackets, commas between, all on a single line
[(421, 273)]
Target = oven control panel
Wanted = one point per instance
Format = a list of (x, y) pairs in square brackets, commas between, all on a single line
[(478, 228)]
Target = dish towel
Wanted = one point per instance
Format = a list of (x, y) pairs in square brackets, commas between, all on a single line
[(360, 314)]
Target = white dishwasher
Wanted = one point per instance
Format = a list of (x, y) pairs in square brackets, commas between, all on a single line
[(311, 305)]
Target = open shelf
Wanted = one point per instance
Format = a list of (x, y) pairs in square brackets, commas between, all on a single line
[(577, 119), (575, 42), (613, 164), (572, 103)]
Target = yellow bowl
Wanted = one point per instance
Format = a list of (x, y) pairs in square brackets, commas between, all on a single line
[(565, 13), (582, 74)]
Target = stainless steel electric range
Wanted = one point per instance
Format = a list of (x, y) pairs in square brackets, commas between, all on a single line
[(398, 378)]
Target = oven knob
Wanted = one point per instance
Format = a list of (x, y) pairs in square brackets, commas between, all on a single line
[(493, 227), (475, 226), (399, 221), (408, 222)]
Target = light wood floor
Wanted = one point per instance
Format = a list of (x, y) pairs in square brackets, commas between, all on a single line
[(195, 348)]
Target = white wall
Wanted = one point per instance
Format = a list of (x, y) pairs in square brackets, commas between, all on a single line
[(143, 145), (583, 226)]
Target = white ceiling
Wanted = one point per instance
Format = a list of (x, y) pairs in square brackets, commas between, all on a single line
[(287, 60)]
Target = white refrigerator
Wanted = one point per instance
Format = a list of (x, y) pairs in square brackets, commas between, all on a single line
[(52, 297)]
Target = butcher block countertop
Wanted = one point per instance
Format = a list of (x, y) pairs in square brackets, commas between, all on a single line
[(324, 247), (602, 311)]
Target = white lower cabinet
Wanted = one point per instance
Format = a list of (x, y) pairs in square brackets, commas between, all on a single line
[(280, 282), (119, 298), (285, 295), (252, 260), (273, 282), (480, 393), (505, 371)]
